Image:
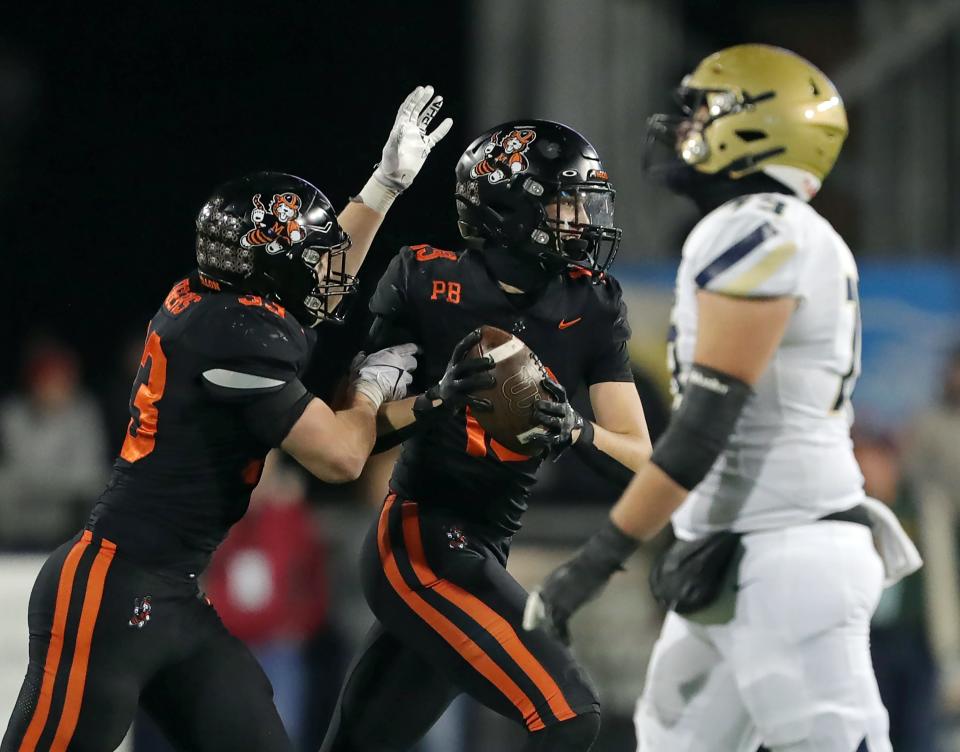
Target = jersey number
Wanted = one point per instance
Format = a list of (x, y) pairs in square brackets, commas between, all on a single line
[(769, 203), (849, 379), (676, 385), (151, 380)]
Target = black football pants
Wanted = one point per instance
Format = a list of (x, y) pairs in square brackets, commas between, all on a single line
[(450, 621), (107, 635)]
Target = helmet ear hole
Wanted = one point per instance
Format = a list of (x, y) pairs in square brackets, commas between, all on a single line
[(751, 135), (498, 210)]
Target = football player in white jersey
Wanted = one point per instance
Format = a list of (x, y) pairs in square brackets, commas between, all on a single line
[(774, 576)]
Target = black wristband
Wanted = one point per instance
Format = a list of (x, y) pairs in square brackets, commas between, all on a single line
[(423, 407), (424, 414), (388, 441), (586, 435)]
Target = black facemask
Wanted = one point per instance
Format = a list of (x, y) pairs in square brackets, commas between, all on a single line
[(518, 269), (710, 191)]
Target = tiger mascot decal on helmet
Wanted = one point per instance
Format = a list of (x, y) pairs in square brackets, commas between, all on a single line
[(504, 157), (278, 227)]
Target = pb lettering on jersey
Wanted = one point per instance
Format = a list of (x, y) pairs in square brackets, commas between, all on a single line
[(790, 459), (434, 297)]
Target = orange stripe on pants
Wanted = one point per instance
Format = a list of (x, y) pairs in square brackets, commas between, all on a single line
[(55, 649), (467, 648), (81, 652), (501, 630)]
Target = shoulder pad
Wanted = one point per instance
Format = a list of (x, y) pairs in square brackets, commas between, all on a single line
[(747, 248), (240, 334), (391, 294), (610, 294), (603, 301), (606, 289)]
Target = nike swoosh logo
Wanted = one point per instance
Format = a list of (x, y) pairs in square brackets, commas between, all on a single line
[(564, 324)]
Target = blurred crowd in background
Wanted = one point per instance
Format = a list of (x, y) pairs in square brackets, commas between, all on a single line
[(113, 130), (281, 582)]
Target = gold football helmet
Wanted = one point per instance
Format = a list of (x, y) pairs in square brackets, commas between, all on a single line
[(753, 106)]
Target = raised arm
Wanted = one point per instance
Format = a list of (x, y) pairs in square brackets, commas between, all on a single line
[(404, 154)]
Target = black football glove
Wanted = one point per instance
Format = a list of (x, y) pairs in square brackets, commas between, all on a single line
[(462, 377), (558, 417), (580, 579)]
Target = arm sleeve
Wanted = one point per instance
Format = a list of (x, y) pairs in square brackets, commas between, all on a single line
[(612, 362), (271, 416), (754, 254)]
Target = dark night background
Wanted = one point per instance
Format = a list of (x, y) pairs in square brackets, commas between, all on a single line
[(119, 120), (134, 115)]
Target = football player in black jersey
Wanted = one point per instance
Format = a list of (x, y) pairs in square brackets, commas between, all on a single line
[(536, 210), (116, 617)]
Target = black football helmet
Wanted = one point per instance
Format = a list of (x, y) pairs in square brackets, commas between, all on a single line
[(276, 235), (538, 187)]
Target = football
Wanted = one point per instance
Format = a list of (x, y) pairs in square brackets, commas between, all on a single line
[(519, 374)]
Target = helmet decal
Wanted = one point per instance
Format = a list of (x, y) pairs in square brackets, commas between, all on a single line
[(278, 227), (504, 157), (276, 236), (535, 194)]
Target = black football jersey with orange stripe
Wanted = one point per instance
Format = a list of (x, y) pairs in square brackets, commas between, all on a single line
[(434, 297), (190, 457)]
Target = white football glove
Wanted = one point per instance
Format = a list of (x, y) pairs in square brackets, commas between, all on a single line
[(384, 376), (406, 149), (409, 144)]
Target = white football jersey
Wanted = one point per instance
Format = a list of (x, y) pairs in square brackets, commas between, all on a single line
[(790, 458)]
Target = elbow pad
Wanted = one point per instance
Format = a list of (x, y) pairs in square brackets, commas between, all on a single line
[(701, 427), (271, 417)]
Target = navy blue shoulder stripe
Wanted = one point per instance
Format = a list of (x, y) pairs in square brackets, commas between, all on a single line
[(734, 253)]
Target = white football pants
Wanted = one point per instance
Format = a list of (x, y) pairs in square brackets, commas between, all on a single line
[(791, 669)]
